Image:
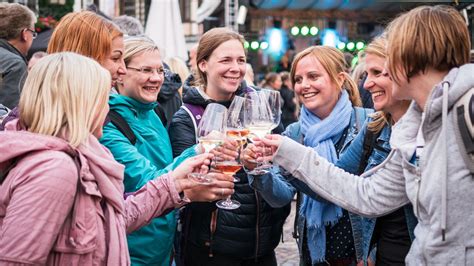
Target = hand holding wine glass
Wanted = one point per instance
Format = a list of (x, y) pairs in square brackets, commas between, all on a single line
[(210, 135)]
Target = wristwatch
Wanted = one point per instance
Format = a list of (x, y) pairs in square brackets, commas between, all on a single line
[(183, 197)]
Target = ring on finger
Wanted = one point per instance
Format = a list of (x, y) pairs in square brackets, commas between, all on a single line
[(222, 192)]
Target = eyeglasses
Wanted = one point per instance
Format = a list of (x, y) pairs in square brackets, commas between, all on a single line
[(149, 70), (34, 34)]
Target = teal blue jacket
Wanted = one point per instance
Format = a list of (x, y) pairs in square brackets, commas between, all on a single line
[(149, 158)]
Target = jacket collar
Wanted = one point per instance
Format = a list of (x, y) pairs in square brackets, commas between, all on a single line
[(7, 46)]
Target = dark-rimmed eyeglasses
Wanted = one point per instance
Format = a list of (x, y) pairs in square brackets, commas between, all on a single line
[(148, 70), (34, 34)]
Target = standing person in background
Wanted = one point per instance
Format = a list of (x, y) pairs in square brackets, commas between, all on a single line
[(17, 31), (329, 121), (429, 166), (35, 58), (391, 234), (130, 26), (290, 106), (272, 81), (249, 77), (178, 66), (211, 236), (169, 98)]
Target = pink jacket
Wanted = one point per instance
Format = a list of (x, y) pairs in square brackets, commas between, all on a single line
[(65, 206)]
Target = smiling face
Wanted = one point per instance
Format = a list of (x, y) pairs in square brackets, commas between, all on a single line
[(143, 87), (224, 69), (114, 61), (378, 83), (314, 87)]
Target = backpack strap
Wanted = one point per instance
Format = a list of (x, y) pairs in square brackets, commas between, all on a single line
[(464, 109), (161, 114), (368, 146), (122, 126), (195, 112)]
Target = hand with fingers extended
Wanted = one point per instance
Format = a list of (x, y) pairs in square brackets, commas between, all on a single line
[(221, 187)]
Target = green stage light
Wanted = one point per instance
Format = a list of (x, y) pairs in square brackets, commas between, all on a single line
[(350, 46), (360, 45), (263, 45), (341, 45), (295, 30), (246, 45), (304, 30), (254, 45), (314, 30)]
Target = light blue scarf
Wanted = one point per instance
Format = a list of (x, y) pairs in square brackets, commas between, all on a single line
[(323, 135)]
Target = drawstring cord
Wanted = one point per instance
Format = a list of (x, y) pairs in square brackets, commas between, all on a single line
[(444, 173)]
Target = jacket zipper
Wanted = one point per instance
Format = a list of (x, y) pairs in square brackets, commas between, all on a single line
[(257, 226)]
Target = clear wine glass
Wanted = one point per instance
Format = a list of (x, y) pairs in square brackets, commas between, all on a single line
[(258, 118), (211, 134), (273, 98), (228, 167)]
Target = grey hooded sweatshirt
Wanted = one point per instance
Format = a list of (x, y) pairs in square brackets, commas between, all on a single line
[(441, 188)]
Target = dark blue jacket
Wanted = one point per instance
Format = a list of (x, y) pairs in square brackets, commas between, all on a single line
[(251, 231)]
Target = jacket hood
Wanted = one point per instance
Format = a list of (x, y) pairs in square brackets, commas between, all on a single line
[(15, 143), (118, 101)]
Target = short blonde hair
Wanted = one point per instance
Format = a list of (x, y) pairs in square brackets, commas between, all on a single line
[(334, 63), (427, 37), (137, 45), (85, 33), (58, 101)]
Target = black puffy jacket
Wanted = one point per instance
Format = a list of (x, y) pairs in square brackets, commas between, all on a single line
[(251, 231)]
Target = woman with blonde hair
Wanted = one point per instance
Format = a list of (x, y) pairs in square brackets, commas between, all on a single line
[(429, 167), (150, 156), (62, 197), (392, 233), (329, 121)]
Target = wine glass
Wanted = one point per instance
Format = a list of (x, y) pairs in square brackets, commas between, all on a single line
[(235, 127), (228, 167), (258, 118), (273, 98), (210, 135)]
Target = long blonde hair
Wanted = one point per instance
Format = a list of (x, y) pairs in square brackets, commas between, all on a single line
[(334, 63), (63, 96), (380, 118)]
